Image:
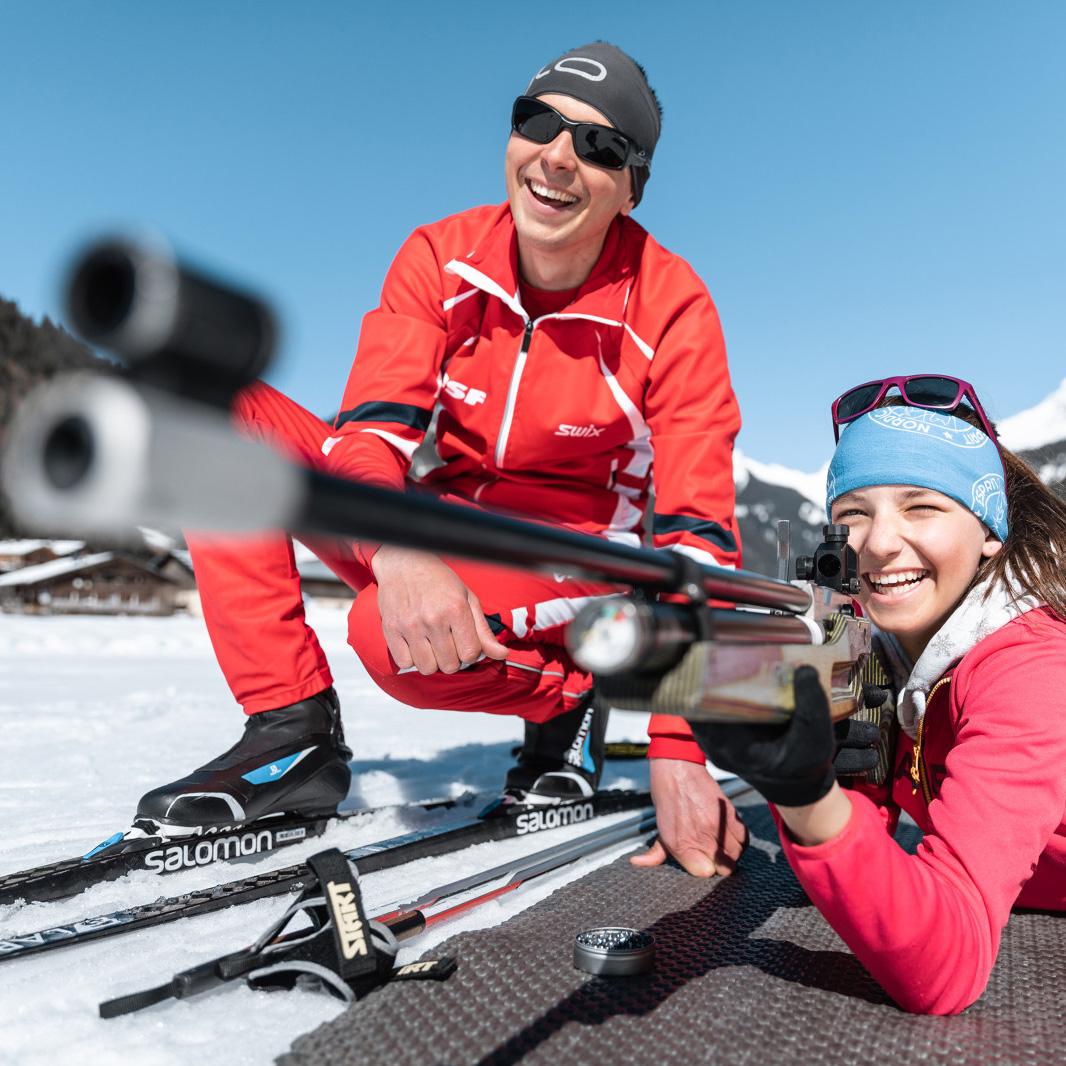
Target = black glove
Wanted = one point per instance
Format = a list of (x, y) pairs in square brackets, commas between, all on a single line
[(864, 740), (790, 764), (856, 744)]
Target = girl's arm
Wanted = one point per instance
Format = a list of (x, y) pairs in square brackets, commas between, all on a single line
[(928, 926)]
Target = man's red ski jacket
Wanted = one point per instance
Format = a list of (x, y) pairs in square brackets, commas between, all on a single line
[(575, 417)]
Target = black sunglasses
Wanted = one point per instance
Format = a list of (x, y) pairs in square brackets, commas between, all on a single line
[(605, 147)]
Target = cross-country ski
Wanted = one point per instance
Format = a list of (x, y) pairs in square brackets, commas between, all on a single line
[(164, 673), (135, 849), (512, 822)]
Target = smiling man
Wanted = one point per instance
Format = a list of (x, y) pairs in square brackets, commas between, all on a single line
[(550, 360)]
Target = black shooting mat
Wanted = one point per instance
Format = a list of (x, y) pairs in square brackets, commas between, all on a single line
[(747, 971)]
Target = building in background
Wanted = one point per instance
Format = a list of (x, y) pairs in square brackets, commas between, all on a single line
[(18, 553), (100, 583)]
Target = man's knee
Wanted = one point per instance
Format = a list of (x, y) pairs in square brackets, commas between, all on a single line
[(262, 414)]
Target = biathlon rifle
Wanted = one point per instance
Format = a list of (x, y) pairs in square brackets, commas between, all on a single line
[(102, 454)]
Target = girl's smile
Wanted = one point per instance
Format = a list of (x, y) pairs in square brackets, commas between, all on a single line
[(884, 583)]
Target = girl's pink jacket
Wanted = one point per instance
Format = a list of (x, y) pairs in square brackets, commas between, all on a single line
[(986, 782)]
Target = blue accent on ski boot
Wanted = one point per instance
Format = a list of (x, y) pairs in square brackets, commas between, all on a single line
[(587, 762), (560, 759), (273, 771)]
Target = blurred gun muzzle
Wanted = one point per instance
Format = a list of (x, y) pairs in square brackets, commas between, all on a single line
[(94, 455), (101, 454), (617, 634), (174, 327)]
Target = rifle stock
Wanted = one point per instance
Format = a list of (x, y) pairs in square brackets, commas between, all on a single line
[(717, 681)]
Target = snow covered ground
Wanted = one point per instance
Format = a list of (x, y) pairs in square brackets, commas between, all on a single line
[(95, 711)]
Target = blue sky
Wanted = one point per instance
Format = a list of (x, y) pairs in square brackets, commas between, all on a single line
[(867, 188)]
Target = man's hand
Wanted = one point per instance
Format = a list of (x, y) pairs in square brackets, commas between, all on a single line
[(430, 619), (697, 824)]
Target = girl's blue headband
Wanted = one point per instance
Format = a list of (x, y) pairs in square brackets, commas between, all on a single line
[(931, 449)]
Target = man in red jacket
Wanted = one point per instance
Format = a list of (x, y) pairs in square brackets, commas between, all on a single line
[(541, 353)]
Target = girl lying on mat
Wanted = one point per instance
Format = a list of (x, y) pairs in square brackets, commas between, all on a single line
[(961, 557)]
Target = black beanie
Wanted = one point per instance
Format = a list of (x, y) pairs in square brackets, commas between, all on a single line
[(607, 79)]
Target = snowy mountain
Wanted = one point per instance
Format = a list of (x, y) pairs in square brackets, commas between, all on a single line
[(1037, 427), (1038, 435), (767, 492)]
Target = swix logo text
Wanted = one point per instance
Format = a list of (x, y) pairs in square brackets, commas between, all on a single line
[(553, 817), (566, 430), (346, 915), (458, 391)]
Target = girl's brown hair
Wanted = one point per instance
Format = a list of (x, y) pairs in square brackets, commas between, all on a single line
[(1034, 552)]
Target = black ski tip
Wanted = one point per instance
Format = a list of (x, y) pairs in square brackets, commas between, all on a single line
[(114, 1008)]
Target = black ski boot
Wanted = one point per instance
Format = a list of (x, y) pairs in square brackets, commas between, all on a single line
[(290, 760), (561, 759)]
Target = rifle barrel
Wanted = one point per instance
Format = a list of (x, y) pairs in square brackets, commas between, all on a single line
[(348, 509), (98, 455), (175, 327)]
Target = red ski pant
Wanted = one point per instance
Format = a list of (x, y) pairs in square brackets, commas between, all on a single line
[(270, 656)]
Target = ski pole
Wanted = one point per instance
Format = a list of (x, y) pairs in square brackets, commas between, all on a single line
[(412, 918)]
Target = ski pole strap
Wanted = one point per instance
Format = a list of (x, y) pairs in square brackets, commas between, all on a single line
[(114, 1008), (200, 978), (343, 951), (348, 953)]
